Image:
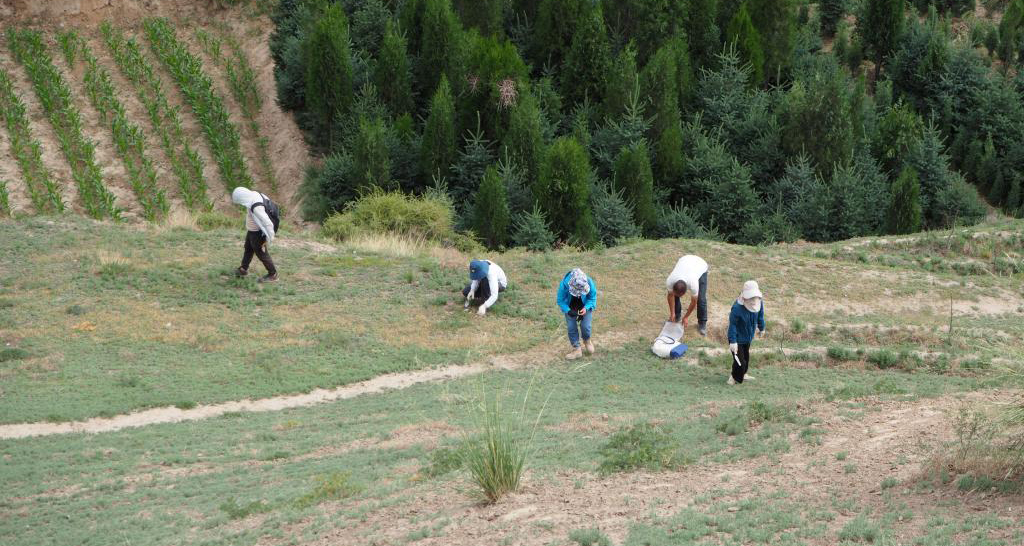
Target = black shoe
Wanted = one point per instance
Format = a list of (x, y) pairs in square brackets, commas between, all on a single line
[(703, 330), (269, 278), (241, 272)]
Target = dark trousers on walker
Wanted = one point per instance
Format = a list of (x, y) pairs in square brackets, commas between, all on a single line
[(741, 362), (254, 245), (702, 302)]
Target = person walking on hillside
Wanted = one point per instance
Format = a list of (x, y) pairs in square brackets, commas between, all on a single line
[(484, 294), (690, 276), (747, 315), (262, 218), (577, 298)]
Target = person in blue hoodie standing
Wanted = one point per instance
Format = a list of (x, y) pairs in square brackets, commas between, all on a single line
[(577, 298), (746, 317)]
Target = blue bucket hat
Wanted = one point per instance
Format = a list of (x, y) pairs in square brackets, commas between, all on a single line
[(478, 270)]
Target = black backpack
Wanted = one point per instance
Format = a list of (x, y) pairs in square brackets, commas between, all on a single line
[(271, 209)]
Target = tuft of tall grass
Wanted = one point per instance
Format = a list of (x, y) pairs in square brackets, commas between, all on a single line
[(497, 454)]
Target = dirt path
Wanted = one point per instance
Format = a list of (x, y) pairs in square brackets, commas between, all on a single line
[(544, 353), (891, 439)]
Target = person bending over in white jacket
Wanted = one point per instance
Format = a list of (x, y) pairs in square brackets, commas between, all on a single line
[(261, 221), (484, 294)]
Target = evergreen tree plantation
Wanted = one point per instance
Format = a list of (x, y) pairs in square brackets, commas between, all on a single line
[(722, 101)]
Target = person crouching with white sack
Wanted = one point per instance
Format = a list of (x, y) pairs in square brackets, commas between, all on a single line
[(747, 315)]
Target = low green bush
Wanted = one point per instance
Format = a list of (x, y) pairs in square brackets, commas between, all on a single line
[(217, 220), (429, 217), (644, 445)]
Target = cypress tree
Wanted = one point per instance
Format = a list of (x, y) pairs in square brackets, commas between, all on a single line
[(410, 20), (905, 206), (563, 191), (742, 34), (491, 215), (633, 177), (588, 61), (486, 16), (832, 11), (1000, 186), (553, 32), (880, 26), (438, 148), (659, 81), (622, 82), (371, 162), (441, 48), (685, 81), (702, 31), (393, 74), (775, 21), (524, 139), (1008, 27), (328, 71)]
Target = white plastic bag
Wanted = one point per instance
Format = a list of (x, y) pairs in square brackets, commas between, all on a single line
[(671, 337)]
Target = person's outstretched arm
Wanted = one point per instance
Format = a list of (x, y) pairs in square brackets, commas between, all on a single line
[(689, 310), (671, 307)]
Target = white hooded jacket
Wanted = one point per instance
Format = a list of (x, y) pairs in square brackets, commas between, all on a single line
[(258, 217)]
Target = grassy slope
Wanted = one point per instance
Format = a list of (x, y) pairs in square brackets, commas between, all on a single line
[(345, 315), (116, 319)]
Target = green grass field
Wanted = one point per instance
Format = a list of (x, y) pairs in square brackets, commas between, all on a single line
[(829, 444)]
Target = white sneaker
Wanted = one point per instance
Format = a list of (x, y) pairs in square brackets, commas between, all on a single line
[(731, 381), (588, 345), (576, 353)]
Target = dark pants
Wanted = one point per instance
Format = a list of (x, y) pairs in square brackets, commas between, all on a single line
[(702, 302), (254, 245), (483, 292), (741, 362)]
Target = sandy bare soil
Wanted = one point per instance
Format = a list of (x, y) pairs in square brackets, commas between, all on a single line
[(887, 440)]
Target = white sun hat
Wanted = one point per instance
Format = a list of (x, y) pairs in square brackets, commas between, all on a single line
[(750, 290)]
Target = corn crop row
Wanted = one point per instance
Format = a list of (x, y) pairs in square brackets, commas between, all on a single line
[(5, 204), (185, 160), (242, 82), (55, 97), (128, 138), (42, 190), (197, 87)]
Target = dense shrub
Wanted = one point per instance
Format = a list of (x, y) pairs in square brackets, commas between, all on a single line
[(634, 179), (613, 215), (427, 217), (905, 207), (491, 214)]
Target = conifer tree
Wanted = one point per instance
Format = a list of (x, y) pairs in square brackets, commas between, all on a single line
[(905, 206), (742, 34), (524, 139), (491, 214), (1009, 28), (328, 71), (775, 21), (832, 11), (659, 81), (557, 21), (371, 162), (438, 147), (393, 74), (588, 61), (486, 16), (563, 191), (622, 82), (633, 177), (441, 47), (880, 25), (702, 32)]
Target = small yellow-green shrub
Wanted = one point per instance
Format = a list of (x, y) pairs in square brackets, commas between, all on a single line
[(429, 217)]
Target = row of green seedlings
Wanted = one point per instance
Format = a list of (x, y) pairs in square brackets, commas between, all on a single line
[(5, 201), (185, 161), (242, 82), (55, 96), (197, 87), (42, 190), (128, 138)]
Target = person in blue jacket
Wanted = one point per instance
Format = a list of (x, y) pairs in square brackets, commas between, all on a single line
[(577, 298), (747, 315)]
